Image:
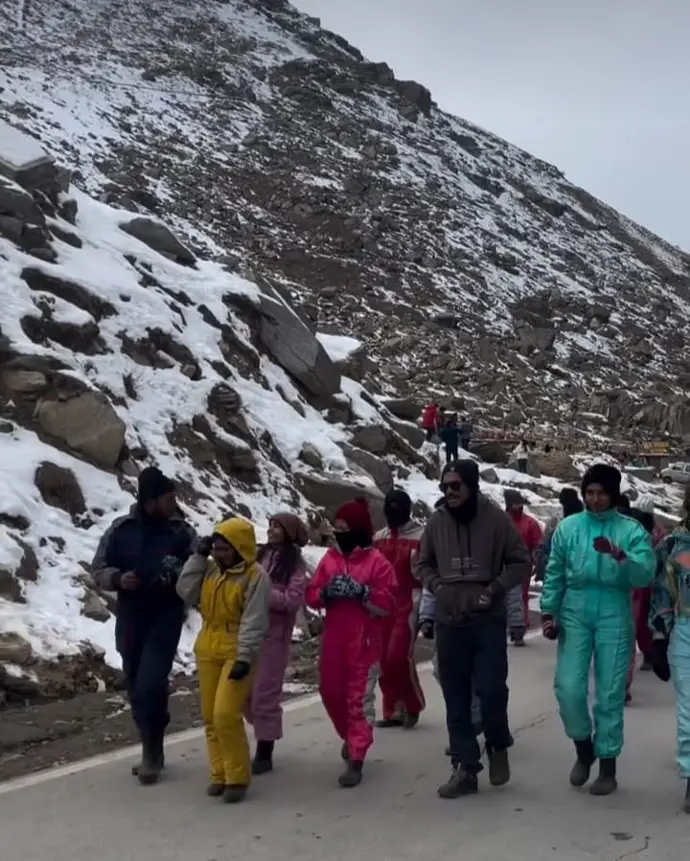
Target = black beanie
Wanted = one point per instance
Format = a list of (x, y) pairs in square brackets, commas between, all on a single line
[(468, 471), (607, 476), (152, 484), (397, 508)]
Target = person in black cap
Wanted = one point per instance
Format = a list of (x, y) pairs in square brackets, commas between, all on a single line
[(597, 558), (470, 556), (140, 557)]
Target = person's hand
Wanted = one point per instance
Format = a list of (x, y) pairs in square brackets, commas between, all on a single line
[(171, 567), (129, 581), (203, 546), (426, 629), (344, 586), (608, 548), (239, 670), (659, 659), (486, 597), (549, 628)]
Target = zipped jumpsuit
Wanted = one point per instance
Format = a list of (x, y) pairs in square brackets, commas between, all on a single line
[(588, 594)]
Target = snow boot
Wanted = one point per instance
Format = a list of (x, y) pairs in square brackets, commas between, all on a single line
[(410, 721), (234, 793), (391, 722), (158, 752), (460, 783), (686, 803), (215, 790), (344, 752), (579, 774), (152, 759), (518, 639), (263, 758), (352, 776), (499, 766), (606, 782)]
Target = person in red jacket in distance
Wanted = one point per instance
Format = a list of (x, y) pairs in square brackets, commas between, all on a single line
[(403, 699), (430, 419), (356, 586), (531, 533)]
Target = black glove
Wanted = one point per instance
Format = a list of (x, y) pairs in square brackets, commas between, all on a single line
[(659, 659), (426, 629), (239, 670), (170, 570), (203, 545)]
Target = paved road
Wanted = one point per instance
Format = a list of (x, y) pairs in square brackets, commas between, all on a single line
[(99, 814)]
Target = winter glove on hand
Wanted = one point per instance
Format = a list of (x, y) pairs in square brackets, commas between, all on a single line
[(549, 628), (605, 546), (203, 546), (426, 629), (659, 659), (171, 567), (343, 586), (127, 580), (239, 670), (486, 598)]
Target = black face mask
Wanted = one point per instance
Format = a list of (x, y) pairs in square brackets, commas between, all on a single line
[(349, 541)]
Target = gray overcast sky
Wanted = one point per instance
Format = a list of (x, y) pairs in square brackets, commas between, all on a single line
[(601, 88)]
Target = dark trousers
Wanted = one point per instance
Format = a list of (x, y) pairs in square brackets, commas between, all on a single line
[(429, 433), (465, 442), (522, 464), (147, 648), (451, 452), (476, 650)]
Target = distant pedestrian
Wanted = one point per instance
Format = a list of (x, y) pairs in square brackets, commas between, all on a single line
[(521, 455), (530, 531), (450, 437), (430, 420)]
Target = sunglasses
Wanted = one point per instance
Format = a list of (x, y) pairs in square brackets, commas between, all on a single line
[(451, 486)]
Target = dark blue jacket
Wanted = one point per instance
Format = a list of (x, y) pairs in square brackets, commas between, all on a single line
[(450, 435), (155, 550)]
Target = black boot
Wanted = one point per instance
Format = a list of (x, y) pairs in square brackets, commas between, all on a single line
[(410, 720), (686, 803), (263, 758), (579, 774), (461, 782), (499, 766), (234, 793), (352, 776), (344, 752), (151, 765), (391, 722), (606, 782)]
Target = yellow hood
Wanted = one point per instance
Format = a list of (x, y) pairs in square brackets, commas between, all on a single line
[(240, 533)]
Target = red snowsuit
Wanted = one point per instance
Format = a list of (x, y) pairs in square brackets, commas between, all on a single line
[(430, 417), (399, 680), (351, 643), (530, 532)]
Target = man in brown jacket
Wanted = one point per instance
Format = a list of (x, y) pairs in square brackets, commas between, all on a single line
[(470, 556)]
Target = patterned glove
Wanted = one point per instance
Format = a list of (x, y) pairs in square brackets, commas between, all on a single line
[(344, 586), (549, 628)]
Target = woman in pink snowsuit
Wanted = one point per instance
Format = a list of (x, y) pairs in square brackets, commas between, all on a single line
[(282, 560), (356, 584)]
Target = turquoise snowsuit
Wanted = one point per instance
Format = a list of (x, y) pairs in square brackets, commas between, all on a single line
[(669, 617), (588, 595)]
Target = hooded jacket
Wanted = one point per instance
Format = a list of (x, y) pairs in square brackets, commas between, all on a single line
[(401, 549), (458, 561), (234, 604)]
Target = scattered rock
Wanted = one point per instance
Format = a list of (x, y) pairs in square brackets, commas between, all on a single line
[(160, 238), (24, 382), (14, 649), (371, 438), (404, 408), (413, 434), (59, 488), (376, 467), (87, 424), (489, 475), (311, 456), (10, 588), (331, 493), (94, 608)]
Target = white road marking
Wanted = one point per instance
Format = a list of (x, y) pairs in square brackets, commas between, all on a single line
[(124, 753)]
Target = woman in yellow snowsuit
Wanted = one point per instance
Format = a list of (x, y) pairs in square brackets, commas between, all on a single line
[(231, 591)]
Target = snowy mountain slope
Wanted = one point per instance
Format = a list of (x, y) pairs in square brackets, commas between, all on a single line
[(469, 268)]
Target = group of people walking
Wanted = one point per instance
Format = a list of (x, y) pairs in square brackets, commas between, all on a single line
[(470, 566)]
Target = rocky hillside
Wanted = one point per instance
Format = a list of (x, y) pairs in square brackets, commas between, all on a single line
[(468, 268)]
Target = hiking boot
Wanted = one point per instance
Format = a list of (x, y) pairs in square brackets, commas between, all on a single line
[(518, 640), (579, 774), (215, 790), (391, 722), (606, 782), (461, 782), (152, 759), (410, 721), (344, 752), (499, 767), (686, 803), (234, 793), (159, 756), (352, 776), (263, 758)]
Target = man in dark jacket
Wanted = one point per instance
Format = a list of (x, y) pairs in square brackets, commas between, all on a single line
[(470, 557), (140, 557)]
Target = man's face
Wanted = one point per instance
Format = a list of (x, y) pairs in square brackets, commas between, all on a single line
[(162, 507), (597, 499), (454, 489)]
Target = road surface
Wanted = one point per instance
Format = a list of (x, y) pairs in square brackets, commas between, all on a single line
[(94, 811)]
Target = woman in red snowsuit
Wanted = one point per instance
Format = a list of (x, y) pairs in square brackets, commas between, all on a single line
[(403, 699), (356, 585)]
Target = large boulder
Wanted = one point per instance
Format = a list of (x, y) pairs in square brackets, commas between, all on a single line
[(331, 493), (59, 488), (377, 468), (87, 424), (404, 408), (160, 238), (413, 434), (372, 438), (295, 348)]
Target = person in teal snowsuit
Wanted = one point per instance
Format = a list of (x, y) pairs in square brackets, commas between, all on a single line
[(597, 558), (669, 620)]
